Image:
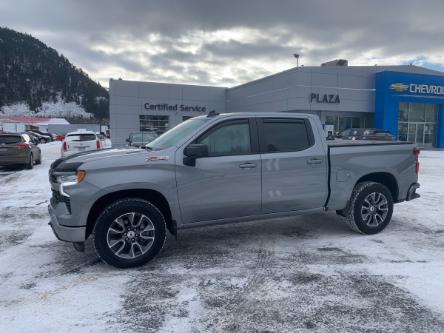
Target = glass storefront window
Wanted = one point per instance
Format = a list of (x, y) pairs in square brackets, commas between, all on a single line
[(150, 123), (343, 123), (356, 122), (430, 112), (403, 111), (416, 112), (331, 120), (402, 132)]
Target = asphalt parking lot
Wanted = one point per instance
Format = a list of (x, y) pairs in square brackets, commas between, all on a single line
[(309, 273)]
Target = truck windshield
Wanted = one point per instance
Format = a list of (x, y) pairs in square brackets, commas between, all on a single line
[(174, 135)]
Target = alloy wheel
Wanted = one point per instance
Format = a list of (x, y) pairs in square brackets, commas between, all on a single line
[(374, 209), (130, 235)]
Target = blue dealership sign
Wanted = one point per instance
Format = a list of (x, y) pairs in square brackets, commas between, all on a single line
[(392, 88)]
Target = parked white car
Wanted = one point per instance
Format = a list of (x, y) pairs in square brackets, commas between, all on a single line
[(80, 141), (104, 141)]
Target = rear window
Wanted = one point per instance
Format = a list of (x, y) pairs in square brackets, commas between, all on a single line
[(285, 135), (10, 139), (81, 137)]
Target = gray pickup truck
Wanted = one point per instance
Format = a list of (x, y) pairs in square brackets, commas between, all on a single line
[(224, 168)]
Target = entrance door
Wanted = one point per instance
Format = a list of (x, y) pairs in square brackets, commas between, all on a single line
[(417, 123), (422, 134)]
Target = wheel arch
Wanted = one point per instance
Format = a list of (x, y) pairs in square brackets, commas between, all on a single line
[(385, 178), (155, 197)]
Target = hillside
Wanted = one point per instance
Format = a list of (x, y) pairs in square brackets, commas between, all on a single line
[(33, 73)]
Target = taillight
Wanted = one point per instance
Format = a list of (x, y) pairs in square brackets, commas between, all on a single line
[(416, 153), (65, 146), (97, 144), (22, 146)]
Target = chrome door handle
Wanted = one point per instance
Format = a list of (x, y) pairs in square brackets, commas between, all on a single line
[(247, 165), (314, 161)]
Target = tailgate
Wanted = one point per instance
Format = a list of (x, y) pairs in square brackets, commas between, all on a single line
[(9, 146), (10, 150)]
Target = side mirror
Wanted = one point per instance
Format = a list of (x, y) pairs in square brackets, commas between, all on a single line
[(330, 136), (193, 152)]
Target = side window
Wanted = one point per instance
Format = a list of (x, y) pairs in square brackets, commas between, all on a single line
[(232, 138), (281, 135)]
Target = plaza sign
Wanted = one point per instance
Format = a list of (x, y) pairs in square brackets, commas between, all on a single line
[(174, 107), (325, 98), (414, 88)]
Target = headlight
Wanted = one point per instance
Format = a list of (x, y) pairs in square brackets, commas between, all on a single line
[(71, 179)]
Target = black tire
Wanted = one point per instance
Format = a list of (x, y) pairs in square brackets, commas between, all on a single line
[(358, 208), (109, 216), (42, 140), (30, 163), (39, 161)]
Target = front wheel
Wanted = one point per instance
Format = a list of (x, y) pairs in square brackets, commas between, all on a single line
[(129, 233), (370, 209)]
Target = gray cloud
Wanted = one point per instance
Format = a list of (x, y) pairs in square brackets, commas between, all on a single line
[(227, 42)]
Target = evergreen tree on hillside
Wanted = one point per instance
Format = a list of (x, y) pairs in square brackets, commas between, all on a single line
[(34, 73)]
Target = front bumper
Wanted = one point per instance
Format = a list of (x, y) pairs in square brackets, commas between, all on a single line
[(411, 194), (63, 233)]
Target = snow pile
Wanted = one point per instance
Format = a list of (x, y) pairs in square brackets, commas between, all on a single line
[(18, 109), (61, 109), (57, 109)]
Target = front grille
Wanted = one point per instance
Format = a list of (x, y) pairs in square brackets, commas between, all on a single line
[(57, 197), (52, 178)]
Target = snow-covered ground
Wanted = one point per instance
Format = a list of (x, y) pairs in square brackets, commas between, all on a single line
[(283, 275)]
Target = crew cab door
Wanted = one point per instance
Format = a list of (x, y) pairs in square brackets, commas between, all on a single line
[(227, 183), (294, 165)]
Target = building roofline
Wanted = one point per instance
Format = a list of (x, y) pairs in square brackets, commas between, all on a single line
[(169, 83), (343, 68)]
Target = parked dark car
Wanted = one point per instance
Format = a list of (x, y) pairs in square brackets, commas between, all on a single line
[(48, 135), (18, 149), (42, 138), (373, 134), (34, 138), (141, 139)]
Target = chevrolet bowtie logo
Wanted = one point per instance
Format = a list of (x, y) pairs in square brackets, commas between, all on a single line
[(399, 87)]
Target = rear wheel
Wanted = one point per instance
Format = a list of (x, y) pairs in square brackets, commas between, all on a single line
[(370, 209), (129, 233), (30, 163)]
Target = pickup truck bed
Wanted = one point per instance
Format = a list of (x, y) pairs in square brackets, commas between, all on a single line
[(350, 160)]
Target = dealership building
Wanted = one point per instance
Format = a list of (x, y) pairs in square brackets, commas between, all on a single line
[(406, 100)]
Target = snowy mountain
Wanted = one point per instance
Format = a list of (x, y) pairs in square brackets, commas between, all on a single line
[(34, 75)]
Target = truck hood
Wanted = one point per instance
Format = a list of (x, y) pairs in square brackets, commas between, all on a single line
[(103, 154), (114, 158), (95, 155)]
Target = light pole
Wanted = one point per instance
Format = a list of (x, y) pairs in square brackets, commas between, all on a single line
[(296, 55)]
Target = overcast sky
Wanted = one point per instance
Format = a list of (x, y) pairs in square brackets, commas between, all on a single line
[(227, 42)]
